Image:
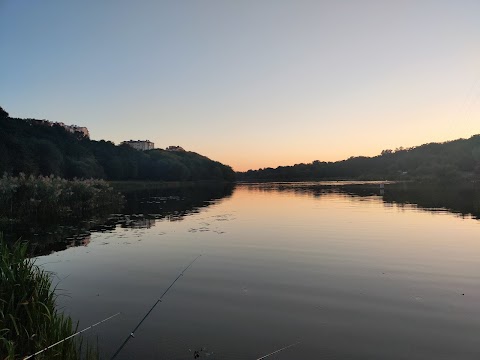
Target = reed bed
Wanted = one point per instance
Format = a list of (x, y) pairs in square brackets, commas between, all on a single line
[(49, 198), (29, 319)]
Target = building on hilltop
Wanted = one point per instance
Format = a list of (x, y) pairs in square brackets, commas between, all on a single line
[(81, 129), (70, 128), (175, 148), (141, 145), (76, 129)]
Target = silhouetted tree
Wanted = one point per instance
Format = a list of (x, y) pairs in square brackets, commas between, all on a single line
[(3, 113), (445, 162), (32, 147)]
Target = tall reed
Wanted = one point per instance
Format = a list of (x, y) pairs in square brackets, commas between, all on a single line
[(45, 198), (29, 319)]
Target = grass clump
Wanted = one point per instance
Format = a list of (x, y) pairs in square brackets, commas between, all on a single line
[(29, 319), (48, 197)]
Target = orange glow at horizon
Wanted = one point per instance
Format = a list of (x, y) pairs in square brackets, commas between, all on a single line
[(307, 155)]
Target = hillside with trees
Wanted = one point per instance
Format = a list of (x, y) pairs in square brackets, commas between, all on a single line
[(27, 146), (449, 161)]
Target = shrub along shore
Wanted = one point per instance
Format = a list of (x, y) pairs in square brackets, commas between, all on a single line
[(29, 319), (48, 198)]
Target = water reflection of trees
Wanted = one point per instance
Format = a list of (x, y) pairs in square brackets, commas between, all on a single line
[(143, 207), (462, 200), (174, 203)]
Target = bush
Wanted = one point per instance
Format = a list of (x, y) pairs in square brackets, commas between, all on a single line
[(41, 198)]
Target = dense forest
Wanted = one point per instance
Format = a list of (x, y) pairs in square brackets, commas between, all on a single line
[(27, 146), (445, 162)]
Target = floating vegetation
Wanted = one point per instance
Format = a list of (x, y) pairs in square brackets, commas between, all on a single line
[(29, 319), (45, 198)]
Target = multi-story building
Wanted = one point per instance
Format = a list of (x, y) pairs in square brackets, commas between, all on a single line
[(142, 145), (70, 128), (76, 129)]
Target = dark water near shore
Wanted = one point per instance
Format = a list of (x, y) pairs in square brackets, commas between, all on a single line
[(353, 272)]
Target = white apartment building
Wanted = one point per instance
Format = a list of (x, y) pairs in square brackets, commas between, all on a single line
[(141, 145), (70, 128)]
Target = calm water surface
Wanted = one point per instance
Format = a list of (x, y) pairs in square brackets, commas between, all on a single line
[(352, 277)]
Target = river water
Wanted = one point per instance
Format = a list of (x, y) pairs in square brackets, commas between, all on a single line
[(352, 272)]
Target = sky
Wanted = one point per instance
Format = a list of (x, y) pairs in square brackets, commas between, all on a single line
[(251, 83)]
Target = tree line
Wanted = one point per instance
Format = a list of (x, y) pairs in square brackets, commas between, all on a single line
[(448, 161), (28, 147)]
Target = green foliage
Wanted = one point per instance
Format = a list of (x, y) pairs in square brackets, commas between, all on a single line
[(3, 113), (31, 147), (440, 162), (29, 320), (47, 198)]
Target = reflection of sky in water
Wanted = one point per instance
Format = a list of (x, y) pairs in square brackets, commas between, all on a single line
[(352, 277)]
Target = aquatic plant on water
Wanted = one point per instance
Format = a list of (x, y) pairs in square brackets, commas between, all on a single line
[(41, 198), (29, 319)]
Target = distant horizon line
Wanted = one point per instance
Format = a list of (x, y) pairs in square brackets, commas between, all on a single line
[(400, 148)]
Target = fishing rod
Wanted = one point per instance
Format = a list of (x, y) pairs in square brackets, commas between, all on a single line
[(277, 351), (69, 337), (132, 334)]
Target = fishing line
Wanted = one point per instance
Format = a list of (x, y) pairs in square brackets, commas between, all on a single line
[(277, 351), (132, 334), (69, 337)]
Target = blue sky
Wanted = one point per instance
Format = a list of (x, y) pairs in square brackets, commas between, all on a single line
[(249, 83)]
